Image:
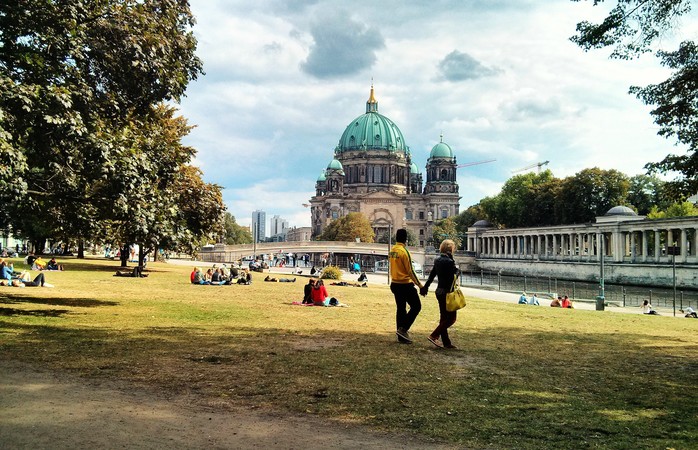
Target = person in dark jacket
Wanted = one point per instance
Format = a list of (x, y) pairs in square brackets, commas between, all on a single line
[(445, 269)]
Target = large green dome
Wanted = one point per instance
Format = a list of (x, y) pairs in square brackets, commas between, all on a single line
[(372, 131)]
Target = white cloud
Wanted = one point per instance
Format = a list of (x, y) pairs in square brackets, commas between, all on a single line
[(500, 79)]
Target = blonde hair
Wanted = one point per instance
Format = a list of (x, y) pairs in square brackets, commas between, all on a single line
[(447, 246)]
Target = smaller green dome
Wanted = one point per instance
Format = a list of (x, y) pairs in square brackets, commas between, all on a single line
[(441, 150), (414, 168), (335, 165), (322, 176)]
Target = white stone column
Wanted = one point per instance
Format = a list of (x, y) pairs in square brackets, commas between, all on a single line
[(657, 248), (632, 246), (644, 245), (684, 246)]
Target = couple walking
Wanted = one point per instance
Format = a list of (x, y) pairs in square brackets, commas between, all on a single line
[(402, 285)]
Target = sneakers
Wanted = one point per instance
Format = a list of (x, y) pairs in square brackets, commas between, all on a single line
[(435, 341), (47, 285), (403, 336)]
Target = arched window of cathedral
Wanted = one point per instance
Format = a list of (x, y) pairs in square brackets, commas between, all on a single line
[(377, 174), (444, 174), (444, 213), (421, 215), (335, 214), (408, 214)]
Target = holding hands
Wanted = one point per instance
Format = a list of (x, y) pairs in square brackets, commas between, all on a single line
[(423, 291)]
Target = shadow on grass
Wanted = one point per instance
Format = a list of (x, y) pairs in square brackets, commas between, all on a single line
[(506, 388), (9, 312), (76, 302)]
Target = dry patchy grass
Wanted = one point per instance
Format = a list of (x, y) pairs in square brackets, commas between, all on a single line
[(523, 377)]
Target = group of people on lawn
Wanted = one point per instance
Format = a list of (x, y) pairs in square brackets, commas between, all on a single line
[(11, 277), (220, 276)]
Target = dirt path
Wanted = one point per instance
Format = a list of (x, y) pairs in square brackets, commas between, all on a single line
[(43, 410)]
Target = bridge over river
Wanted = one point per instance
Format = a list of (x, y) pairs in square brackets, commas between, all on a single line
[(334, 252)]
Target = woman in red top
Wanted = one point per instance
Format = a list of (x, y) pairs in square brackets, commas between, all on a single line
[(319, 294)]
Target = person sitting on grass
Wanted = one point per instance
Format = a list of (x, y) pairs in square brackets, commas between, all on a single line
[(53, 265), (245, 277), (556, 302), (647, 308), (689, 312), (319, 294), (307, 292), (522, 299), (362, 277), (534, 301), (566, 303), (39, 264), (198, 277), (217, 277)]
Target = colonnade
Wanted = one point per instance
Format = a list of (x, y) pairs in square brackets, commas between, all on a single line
[(636, 241)]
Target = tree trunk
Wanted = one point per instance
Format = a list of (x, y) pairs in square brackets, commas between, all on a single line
[(123, 255), (81, 249)]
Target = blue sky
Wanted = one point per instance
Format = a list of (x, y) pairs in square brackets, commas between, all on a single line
[(500, 79)]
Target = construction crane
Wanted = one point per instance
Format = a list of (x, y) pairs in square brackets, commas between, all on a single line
[(539, 165), (476, 163)]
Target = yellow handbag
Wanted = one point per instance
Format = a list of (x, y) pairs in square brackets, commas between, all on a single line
[(455, 299)]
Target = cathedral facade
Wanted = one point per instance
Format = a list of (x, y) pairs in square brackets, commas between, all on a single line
[(373, 173)]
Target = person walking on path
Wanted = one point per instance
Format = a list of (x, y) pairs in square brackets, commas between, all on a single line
[(445, 269), (402, 285)]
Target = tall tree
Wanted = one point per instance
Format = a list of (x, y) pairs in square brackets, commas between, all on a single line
[(525, 200), (77, 79), (591, 193), (646, 192), (348, 228), (234, 233), (633, 27), (446, 229)]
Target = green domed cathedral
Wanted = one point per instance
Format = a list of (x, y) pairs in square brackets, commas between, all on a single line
[(373, 173)]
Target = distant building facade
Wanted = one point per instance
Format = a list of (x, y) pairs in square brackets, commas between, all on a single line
[(373, 173), (259, 226), (278, 227), (299, 234)]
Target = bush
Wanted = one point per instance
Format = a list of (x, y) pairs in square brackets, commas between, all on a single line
[(331, 273)]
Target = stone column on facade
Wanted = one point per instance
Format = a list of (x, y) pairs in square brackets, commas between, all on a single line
[(539, 241), (644, 246), (684, 246), (694, 245), (544, 249), (657, 251), (632, 247)]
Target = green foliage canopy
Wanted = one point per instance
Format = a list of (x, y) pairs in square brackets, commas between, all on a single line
[(86, 144), (348, 228), (632, 27), (234, 233)]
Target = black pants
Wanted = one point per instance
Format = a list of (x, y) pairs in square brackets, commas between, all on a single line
[(405, 294), (446, 319), (38, 281)]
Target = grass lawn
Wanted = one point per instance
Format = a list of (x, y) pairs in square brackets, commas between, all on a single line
[(526, 378)]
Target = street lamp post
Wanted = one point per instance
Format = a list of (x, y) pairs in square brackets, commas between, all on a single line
[(601, 299), (390, 235)]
